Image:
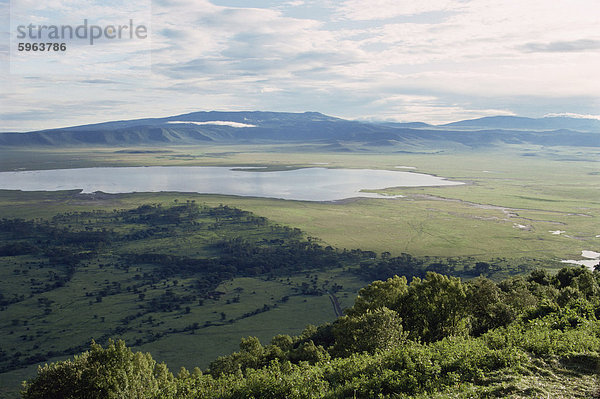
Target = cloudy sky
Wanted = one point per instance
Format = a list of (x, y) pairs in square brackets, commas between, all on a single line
[(429, 60)]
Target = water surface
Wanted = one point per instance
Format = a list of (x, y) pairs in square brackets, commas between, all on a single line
[(309, 184)]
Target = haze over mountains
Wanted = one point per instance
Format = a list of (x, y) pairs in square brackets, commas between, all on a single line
[(313, 127)]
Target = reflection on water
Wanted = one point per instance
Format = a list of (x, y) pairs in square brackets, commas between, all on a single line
[(310, 184)]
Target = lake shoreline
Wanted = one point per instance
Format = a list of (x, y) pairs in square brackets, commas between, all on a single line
[(303, 184)]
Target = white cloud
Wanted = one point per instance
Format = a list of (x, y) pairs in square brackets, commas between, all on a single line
[(404, 99), (572, 115), (270, 89), (360, 10), (430, 109), (435, 61), (218, 123), (235, 39), (295, 3), (485, 48), (80, 57)]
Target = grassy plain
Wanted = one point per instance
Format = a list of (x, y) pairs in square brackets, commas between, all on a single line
[(512, 201), (51, 310)]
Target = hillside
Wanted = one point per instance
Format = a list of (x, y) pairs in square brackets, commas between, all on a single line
[(525, 337), (165, 277), (189, 277), (313, 127)]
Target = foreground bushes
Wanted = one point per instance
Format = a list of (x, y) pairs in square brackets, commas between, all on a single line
[(111, 372), (387, 346)]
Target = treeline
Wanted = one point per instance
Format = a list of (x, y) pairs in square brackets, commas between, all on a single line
[(278, 256), (68, 239), (386, 266), (63, 243), (435, 335)]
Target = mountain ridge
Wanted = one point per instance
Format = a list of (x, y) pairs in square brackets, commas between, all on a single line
[(256, 127), (519, 122)]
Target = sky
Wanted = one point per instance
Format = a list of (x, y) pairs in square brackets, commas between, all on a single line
[(433, 61)]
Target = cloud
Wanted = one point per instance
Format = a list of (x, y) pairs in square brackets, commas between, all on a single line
[(404, 99), (572, 115), (234, 44), (428, 108), (201, 32), (562, 46), (360, 10), (105, 56), (433, 60), (218, 123), (478, 49), (270, 89), (99, 81)]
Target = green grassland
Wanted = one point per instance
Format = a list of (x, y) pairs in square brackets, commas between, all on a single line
[(78, 276), (511, 202), (514, 197)]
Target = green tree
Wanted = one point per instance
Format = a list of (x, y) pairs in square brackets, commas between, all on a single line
[(309, 352), (587, 284), (379, 329), (251, 355), (380, 294), (517, 294), (486, 307), (102, 373), (434, 307)]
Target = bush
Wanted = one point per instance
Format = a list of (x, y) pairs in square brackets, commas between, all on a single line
[(102, 373)]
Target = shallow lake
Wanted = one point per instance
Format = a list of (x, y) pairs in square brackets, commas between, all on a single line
[(308, 184)]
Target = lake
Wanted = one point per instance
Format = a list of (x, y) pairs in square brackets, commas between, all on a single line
[(307, 184)]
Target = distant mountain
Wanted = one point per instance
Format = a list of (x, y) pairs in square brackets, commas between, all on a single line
[(413, 125), (313, 127), (520, 123)]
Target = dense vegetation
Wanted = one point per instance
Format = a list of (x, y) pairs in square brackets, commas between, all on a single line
[(155, 272), (435, 336), (100, 274), (138, 264)]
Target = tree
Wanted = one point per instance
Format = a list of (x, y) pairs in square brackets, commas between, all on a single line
[(375, 329), (251, 355), (540, 276), (114, 372), (379, 294), (587, 284), (486, 306), (434, 308), (282, 341), (309, 352), (430, 309), (566, 275)]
